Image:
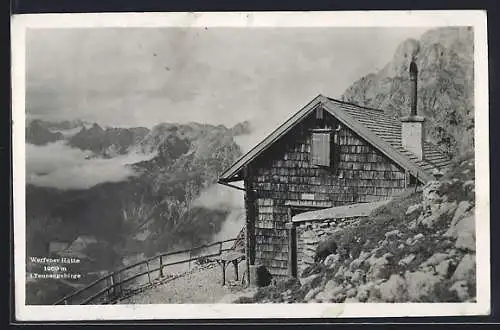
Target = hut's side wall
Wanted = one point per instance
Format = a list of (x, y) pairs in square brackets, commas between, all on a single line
[(310, 233), (284, 174)]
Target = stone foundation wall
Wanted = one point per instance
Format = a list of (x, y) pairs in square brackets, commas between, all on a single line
[(310, 233)]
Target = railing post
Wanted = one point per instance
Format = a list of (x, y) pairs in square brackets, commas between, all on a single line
[(149, 273), (118, 286), (161, 266), (111, 289)]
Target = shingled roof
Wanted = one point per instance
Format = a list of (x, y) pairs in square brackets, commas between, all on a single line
[(377, 128)]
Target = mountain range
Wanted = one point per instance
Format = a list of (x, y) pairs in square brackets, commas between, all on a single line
[(151, 211)]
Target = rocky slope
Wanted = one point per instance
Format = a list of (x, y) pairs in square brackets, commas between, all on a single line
[(445, 59), (418, 248)]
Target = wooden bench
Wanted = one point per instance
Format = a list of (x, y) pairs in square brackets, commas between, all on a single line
[(234, 257)]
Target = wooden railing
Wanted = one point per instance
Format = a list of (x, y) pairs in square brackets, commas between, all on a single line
[(138, 276)]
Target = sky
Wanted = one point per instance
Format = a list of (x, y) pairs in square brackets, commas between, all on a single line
[(145, 76)]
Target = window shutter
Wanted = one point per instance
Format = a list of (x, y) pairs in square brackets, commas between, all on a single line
[(321, 149)]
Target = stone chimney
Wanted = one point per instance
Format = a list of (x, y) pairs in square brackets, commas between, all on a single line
[(412, 129)]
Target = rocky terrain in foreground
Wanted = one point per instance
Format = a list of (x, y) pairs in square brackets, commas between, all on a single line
[(417, 248)]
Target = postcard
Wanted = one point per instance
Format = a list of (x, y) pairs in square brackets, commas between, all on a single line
[(250, 165)]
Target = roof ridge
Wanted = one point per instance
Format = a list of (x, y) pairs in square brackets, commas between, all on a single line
[(354, 104)]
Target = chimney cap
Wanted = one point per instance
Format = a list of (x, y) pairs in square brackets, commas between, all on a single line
[(413, 68)]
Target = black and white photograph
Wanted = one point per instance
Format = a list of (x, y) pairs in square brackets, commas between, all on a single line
[(250, 164)]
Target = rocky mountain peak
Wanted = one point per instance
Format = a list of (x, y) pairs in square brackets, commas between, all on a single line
[(444, 57), (399, 65)]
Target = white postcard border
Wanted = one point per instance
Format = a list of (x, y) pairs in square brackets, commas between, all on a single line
[(474, 18)]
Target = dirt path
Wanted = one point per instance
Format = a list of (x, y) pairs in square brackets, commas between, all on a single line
[(200, 286)]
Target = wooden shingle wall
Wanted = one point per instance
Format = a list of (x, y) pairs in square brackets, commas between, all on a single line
[(284, 174)]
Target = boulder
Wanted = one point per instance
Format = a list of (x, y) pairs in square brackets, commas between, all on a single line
[(430, 220), (364, 291), (430, 192), (464, 230), (312, 269), (413, 208), (435, 218), (435, 259), (311, 294), (466, 241), (355, 264), (461, 289), (339, 298), (392, 235), (380, 267), (444, 267), (466, 269), (331, 290), (352, 292), (457, 222), (358, 276), (359, 261), (307, 280), (394, 289), (462, 207), (406, 260), (412, 225), (421, 285), (348, 274), (415, 239), (339, 275), (332, 260), (375, 295), (364, 255)]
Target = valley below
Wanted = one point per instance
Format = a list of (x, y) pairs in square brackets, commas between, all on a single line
[(151, 205)]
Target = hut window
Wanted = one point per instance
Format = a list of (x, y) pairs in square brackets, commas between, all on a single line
[(320, 148)]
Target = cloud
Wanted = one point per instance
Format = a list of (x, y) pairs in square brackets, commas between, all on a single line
[(231, 226), (219, 197), (134, 76), (57, 165)]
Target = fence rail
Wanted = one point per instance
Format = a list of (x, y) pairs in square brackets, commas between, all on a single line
[(145, 273)]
